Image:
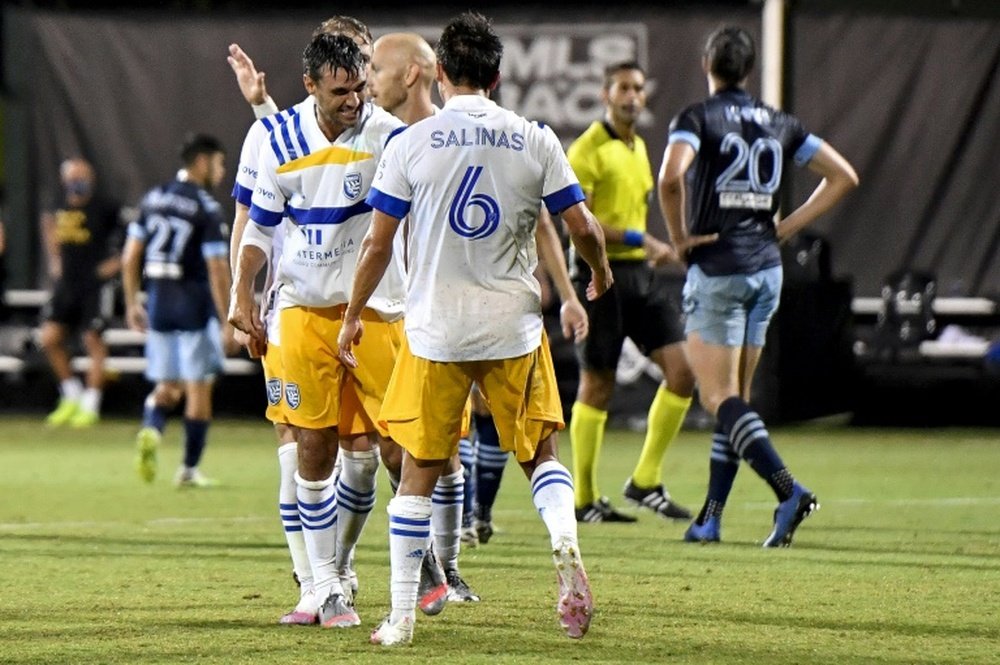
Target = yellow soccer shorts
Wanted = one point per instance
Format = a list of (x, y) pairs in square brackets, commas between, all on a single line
[(274, 383), (427, 401), (314, 377)]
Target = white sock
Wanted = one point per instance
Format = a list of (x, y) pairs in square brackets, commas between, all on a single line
[(288, 508), (91, 400), (446, 518), (409, 538), (552, 494), (355, 500), (71, 388), (318, 514)]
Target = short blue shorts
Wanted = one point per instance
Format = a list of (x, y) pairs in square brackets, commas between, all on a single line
[(731, 310), (184, 355)]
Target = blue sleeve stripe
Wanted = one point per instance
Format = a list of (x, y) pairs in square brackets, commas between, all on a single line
[(267, 124), (303, 146), (265, 217), (687, 137), (390, 205), (277, 149), (332, 215), (393, 133), (214, 249), (242, 194), (292, 153), (807, 150), (556, 202), (137, 231)]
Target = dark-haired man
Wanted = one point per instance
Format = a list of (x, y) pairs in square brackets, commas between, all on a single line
[(180, 244), (473, 178), (82, 241), (611, 162), (316, 168)]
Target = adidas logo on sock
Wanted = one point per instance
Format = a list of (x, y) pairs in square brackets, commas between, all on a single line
[(416, 554)]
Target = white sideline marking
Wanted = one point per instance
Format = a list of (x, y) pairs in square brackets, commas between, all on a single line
[(161, 521)]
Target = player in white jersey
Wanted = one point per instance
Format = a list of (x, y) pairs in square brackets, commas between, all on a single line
[(473, 177), (251, 83), (317, 168)]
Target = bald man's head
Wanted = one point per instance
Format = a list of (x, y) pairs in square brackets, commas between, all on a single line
[(402, 62)]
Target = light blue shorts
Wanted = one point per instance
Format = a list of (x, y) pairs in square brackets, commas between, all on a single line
[(184, 355), (731, 310)]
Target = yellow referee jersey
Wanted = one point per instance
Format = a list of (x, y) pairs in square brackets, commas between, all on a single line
[(618, 181)]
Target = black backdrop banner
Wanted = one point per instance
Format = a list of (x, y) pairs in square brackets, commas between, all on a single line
[(914, 103)]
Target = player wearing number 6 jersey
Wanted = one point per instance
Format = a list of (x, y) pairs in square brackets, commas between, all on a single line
[(472, 178), (180, 243), (739, 148)]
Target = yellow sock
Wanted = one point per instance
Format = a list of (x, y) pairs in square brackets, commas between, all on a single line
[(666, 414), (586, 433)]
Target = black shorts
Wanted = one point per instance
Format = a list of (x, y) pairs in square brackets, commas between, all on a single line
[(76, 307), (643, 305)]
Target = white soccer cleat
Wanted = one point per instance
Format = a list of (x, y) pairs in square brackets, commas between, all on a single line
[(576, 604), (393, 634)]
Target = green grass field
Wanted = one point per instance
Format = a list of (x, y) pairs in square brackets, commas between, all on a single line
[(901, 564)]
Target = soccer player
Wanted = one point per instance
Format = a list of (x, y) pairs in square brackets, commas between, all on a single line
[(738, 148), (611, 162), (362, 460), (317, 168), (402, 73), (179, 242), (82, 240), (474, 177)]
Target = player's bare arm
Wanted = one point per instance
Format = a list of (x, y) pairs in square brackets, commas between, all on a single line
[(588, 238), (243, 310), (376, 252), (572, 315), (670, 186), (135, 313), (839, 178)]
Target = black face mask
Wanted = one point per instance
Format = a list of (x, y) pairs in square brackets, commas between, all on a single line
[(78, 187)]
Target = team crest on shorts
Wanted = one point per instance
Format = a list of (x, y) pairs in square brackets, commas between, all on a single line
[(352, 185), (292, 395), (273, 391)]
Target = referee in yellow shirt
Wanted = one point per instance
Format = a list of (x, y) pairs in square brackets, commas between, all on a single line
[(611, 162)]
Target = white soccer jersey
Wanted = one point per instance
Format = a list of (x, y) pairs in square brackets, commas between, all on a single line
[(246, 181), (321, 186), (472, 179)]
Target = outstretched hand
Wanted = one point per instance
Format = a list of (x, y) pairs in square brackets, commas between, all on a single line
[(251, 81)]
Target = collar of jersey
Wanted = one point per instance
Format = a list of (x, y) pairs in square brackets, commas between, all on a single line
[(468, 102)]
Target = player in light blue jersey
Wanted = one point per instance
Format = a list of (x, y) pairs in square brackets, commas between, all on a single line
[(179, 244)]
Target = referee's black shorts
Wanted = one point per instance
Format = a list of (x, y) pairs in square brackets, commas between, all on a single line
[(643, 305)]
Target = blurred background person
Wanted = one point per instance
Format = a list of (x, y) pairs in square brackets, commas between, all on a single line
[(82, 238), (180, 243)]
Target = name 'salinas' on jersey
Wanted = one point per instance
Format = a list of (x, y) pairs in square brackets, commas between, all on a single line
[(472, 179), (321, 185)]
